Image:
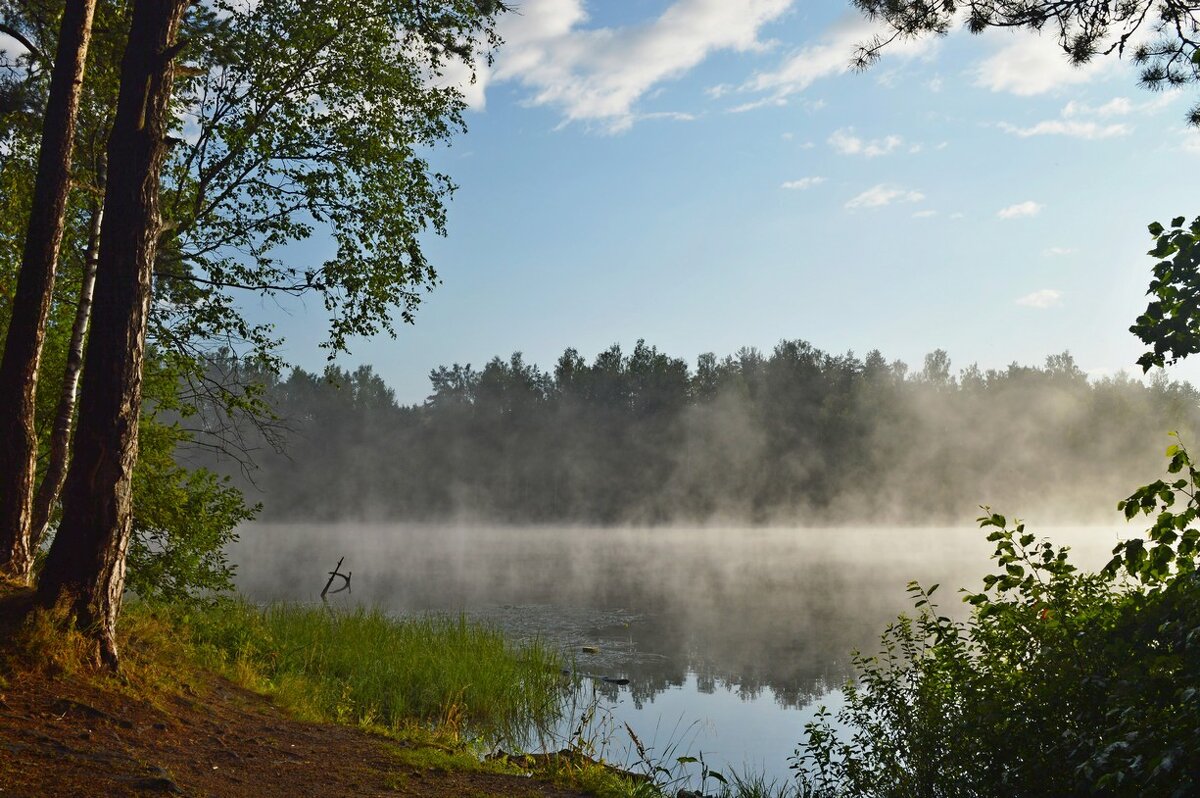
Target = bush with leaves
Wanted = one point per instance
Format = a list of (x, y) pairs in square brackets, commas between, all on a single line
[(183, 520), (184, 517), (1061, 682)]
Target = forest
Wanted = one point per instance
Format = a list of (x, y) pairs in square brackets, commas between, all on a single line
[(793, 436)]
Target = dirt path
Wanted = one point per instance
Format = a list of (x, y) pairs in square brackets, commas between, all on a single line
[(63, 737)]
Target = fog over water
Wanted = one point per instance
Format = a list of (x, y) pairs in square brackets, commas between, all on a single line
[(726, 634), (723, 537), (796, 437)]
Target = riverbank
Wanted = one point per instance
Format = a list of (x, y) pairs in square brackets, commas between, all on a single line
[(233, 701)]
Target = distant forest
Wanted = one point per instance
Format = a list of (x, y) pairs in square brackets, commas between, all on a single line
[(797, 436)]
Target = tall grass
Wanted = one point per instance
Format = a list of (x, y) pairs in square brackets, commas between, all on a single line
[(366, 667)]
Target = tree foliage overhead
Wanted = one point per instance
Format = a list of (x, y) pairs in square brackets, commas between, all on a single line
[(1161, 35), (305, 119)]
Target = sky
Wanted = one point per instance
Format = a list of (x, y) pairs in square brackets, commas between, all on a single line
[(708, 175)]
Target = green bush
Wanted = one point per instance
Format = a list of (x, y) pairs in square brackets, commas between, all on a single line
[(183, 520), (1060, 682)]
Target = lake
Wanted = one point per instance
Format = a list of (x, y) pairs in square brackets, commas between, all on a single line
[(729, 637)]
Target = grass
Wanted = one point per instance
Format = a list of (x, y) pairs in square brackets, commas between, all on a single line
[(367, 668), (442, 688), (433, 683)]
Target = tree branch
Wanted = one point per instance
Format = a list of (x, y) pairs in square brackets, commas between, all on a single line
[(23, 41)]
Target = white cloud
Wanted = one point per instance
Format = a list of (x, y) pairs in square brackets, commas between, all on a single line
[(935, 84), (1032, 64), (803, 183), (678, 116), (1055, 252), (925, 214), (1041, 299), (1026, 208), (882, 194), (1068, 127), (1163, 100), (1117, 106), (598, 75), (456, 73), (846, 143), (828, 57), (1078, 119), (756, 104)]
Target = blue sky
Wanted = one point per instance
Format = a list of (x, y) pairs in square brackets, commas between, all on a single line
[(708, 175)]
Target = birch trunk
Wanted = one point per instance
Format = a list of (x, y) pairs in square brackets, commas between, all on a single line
[(60, 439)]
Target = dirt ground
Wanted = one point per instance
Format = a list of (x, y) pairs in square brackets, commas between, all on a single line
[(71, 737), (60, 738)]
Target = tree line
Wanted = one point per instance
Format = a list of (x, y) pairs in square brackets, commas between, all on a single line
[(794, 435)]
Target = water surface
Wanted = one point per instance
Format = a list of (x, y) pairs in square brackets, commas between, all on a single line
[(729, 637)]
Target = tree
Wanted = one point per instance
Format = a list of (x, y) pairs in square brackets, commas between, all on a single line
[(35, 287), (86, 564), (1084, 29), (64, 416), (261, 94), (312, 116)]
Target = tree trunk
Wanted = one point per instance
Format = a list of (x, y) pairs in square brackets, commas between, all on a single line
[(35, 287), (60, 439), (86, 565)]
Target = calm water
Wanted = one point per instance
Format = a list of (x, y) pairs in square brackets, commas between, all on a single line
[(729, 637)]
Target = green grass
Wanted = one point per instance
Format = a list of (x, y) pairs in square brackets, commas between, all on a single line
[(441, 688), (368, 668)]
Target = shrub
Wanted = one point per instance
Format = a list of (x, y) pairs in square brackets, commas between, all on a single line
[(1060, 682)]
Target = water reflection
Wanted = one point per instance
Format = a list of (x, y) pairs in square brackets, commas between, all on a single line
[(750, 612)]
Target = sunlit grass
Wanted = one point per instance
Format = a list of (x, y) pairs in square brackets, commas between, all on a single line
[(368, 668), (439, 686)]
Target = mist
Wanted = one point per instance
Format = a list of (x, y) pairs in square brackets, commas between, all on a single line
[(722, 535), (747, 628), (796, 437)]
